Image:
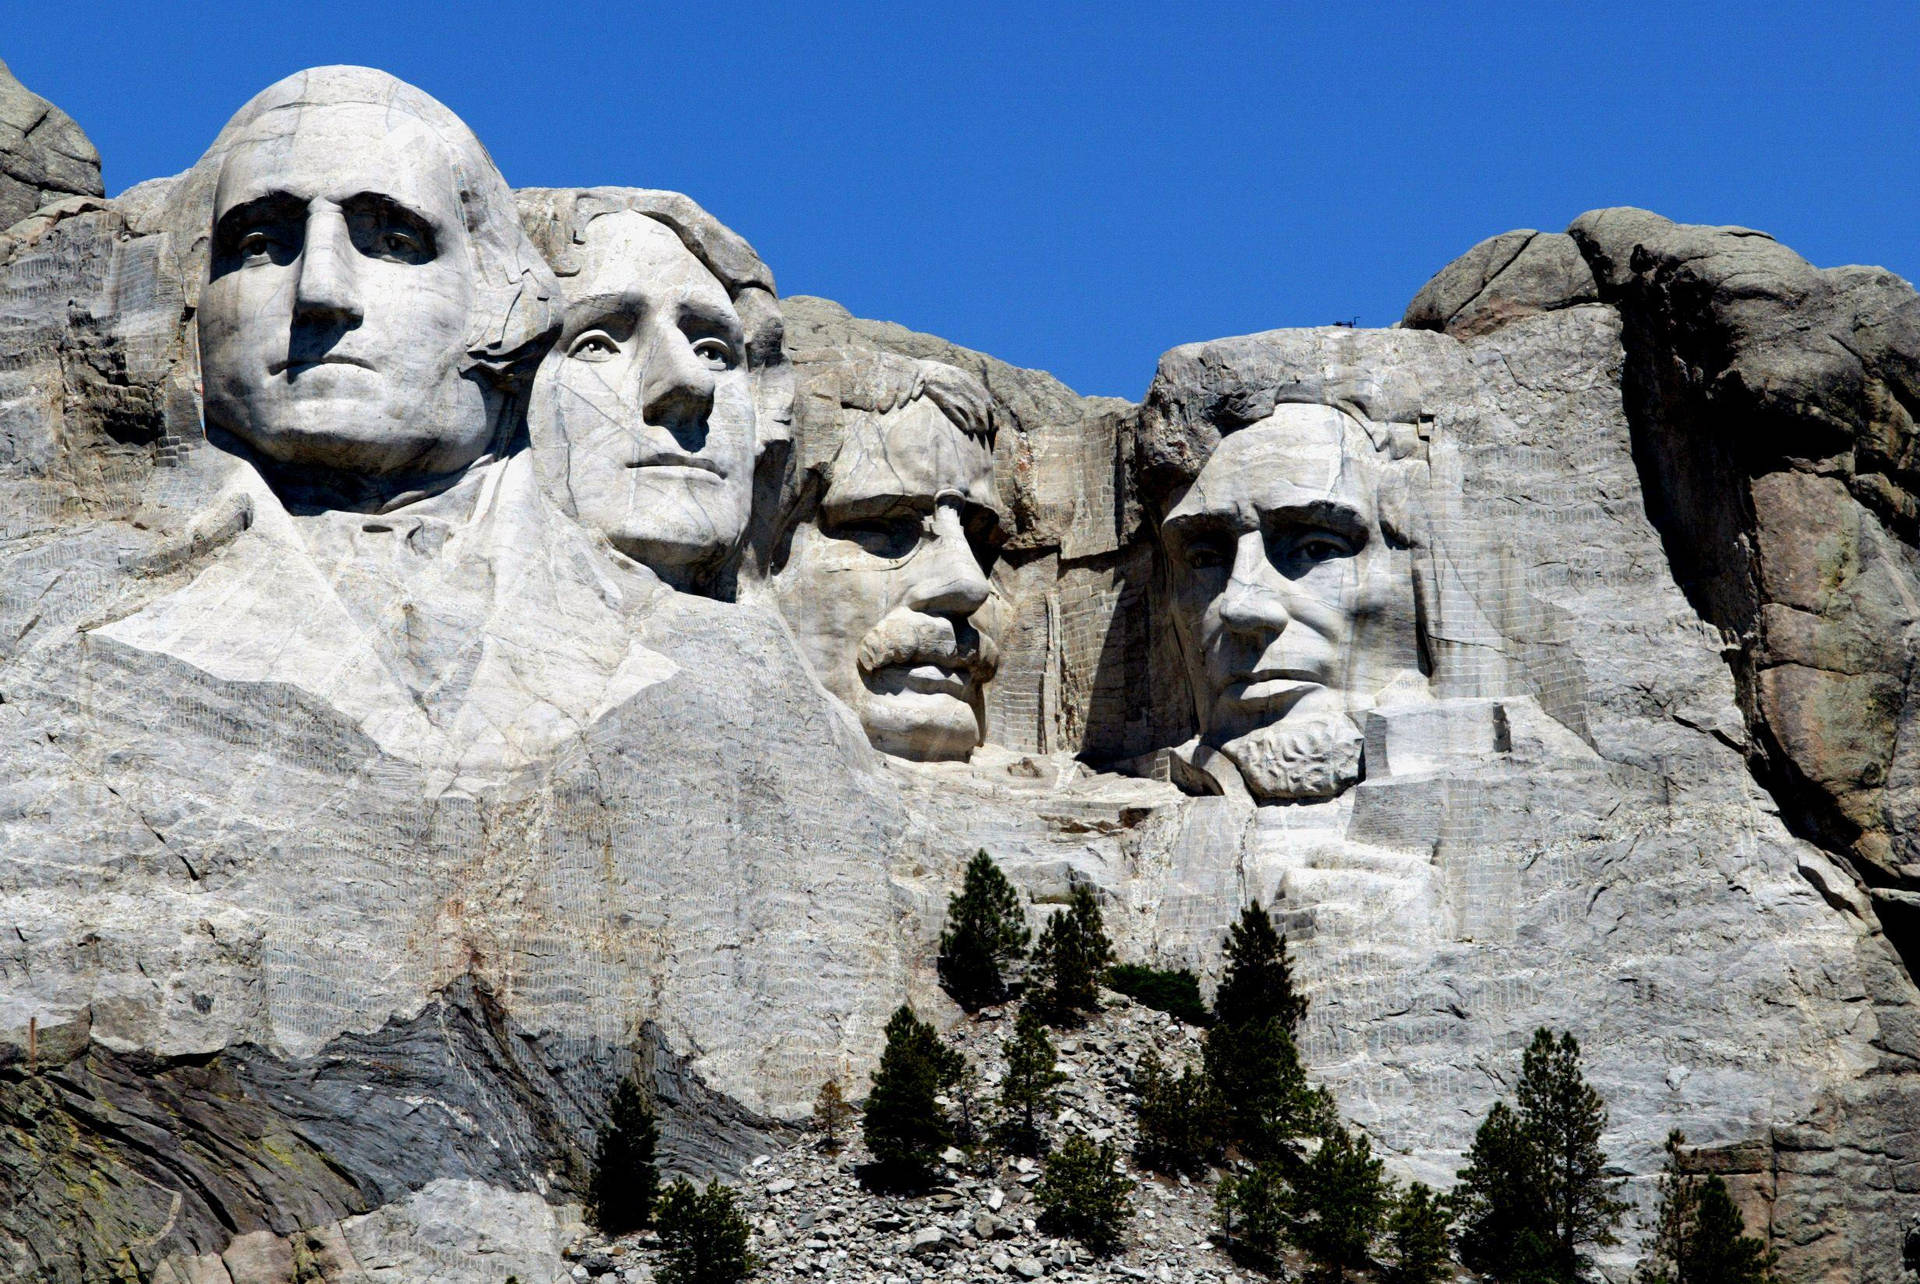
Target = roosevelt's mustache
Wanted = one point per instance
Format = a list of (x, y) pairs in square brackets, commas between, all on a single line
[(912, 638)]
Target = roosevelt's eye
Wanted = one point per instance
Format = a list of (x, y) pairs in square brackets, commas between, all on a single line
[(594, 345), (892, 537), (716, 353)]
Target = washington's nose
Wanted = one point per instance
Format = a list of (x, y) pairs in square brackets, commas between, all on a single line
[(1255, 599), (328, 289), (676, 388), (947, 579)]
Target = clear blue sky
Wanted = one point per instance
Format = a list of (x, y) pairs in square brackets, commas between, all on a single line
[(1081, 187)]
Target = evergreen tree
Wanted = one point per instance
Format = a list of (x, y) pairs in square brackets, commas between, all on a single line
[(986, 930), (1256, 1071), (1252, 1209), (1719, 1251), (1499, 1199), (1258, 982), (1073, 954), (1563, 1118), (705, 1237), (1339, 1200), (624, 1182), (905, 1126), (831, 1115), (1081, 1194), (966, 1104), (1418, 1230), (1180, 1118), (1697, 1234), (1028, 1093)]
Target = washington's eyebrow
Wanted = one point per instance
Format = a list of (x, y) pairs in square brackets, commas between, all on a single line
[(268, 205)]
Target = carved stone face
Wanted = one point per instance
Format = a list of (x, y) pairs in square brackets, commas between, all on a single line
[(886, 588), (1286, 598), (333, 325), (642, 413)]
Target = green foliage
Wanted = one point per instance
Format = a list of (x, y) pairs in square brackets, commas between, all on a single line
[(1252, 1209), (1339, 1201), (1255, 1070), (1073, 954), (905, 1127), (831, 1115), (621, 1189), (1181, 1118), (1258, 982), (1176, 992), (1029, 1092), (1697, 1234), (1534, 1193), (704, 1235), (1418, 1231), (1082, 1195), (986, 930)]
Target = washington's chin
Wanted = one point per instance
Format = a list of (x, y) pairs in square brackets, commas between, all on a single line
[(340, 433), (922, 726)]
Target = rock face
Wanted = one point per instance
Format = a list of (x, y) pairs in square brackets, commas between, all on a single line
[(43, 155), (630, 704)]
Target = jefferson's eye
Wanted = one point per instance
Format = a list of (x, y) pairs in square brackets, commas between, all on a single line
[(717, 353), (594, 345)]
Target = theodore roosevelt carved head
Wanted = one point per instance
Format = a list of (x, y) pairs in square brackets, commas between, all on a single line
[(886, 549)]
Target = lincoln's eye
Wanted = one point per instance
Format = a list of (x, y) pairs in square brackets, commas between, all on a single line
[(594, 345), (892, 536), (1206, 553), (716, 353), (1322, 546)]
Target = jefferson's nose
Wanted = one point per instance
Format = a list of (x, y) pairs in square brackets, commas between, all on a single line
[(1254, 604), (947, 579), (676, 387), (328, 288)]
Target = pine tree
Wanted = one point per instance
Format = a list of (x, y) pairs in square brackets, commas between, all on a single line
[(905, 1126), (1028, 1093), (1719, 1251), (1082, 1195), (621, 1190), (1256, 1071), (1499, 1198), (986, 930), (1339, 1200), (1563, 1118), (1697, 1235), (1073, 954), (1252, 1209), (1181, 1118), (1418, 1230), (831, 1115), (705, 1237), (1258, 981)]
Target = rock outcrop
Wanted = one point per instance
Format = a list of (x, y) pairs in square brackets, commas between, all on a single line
[(44, 156), (1542, 661)]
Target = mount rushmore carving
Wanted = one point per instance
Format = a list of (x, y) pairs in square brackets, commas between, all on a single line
[(458, 645)]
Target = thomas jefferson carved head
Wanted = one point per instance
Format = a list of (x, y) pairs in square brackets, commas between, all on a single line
[(1293, 594), (887, 547), (646, 414), (370, 298)]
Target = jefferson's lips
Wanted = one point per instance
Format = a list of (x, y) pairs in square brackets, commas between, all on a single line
[(296, 366), (670, 459)]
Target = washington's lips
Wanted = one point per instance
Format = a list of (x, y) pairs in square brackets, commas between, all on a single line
[(295, 365)]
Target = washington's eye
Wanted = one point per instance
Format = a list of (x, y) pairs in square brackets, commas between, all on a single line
[(594, 345), (400, 244), (717, 353), (255, 244)]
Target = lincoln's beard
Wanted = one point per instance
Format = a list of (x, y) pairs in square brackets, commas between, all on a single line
[(1293, 758)]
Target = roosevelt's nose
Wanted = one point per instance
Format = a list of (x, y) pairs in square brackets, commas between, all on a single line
[(1254, 604), (328, 288), (947, 579), (676, 389)]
